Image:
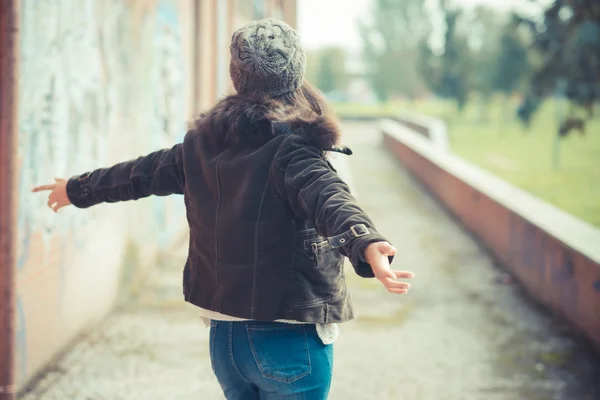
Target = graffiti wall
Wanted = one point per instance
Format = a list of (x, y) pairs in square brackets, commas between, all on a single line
[(100, 82)]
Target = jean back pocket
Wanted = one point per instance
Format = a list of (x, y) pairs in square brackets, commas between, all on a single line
[(280, 351)]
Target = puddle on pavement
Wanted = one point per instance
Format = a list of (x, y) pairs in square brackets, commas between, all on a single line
[(560, 371)]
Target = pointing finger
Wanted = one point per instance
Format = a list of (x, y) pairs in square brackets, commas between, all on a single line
[(44, 187)]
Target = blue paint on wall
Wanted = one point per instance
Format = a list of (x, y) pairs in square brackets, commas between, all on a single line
[(63, 120), (169, 106)]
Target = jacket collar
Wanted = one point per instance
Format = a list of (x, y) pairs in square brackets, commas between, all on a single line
[(239, 119)]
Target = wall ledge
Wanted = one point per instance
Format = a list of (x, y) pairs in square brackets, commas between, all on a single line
[(572, 231), (436, 128)]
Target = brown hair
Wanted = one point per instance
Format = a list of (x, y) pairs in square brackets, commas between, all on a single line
[(306, 99), (250, 119)]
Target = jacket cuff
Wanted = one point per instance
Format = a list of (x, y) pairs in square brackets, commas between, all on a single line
[(361, 266), (354, 242), (80, 192)]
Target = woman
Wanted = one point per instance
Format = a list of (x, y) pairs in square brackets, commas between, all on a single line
[(270, 221)]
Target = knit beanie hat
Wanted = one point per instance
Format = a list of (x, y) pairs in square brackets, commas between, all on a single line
[(266, 57)]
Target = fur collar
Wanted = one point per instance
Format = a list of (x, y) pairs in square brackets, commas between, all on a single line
[(242, 120)]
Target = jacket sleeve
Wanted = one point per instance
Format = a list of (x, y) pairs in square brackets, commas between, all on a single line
[(315, 192), (159, 173)]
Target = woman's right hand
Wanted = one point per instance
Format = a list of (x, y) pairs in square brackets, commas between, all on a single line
[(58, 197), (376, 254)]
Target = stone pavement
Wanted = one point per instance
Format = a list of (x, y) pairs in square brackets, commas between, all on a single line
[(464, 332)]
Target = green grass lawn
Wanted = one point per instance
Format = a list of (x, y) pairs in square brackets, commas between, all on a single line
[(524, 157)]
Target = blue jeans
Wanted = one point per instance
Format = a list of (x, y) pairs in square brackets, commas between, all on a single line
[(270, 360)]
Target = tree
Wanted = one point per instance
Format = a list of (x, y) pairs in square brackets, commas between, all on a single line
[(332, 70), (447, 74), (312, 66), (391, 37), (567, 41), (486, 29), (511, 63), (327, 69)]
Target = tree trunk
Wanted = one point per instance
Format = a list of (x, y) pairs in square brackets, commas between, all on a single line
[(504, 110), (483, 113)]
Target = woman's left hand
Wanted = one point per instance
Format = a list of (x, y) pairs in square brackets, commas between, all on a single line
[(377, 255), (58, 197)]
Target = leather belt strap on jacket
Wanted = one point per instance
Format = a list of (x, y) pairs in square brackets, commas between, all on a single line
[(344, 238)]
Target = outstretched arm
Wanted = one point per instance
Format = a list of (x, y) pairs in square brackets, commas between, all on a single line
[(159, 173), (316, 193)]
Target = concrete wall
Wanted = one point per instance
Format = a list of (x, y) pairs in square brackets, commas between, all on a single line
[(432, 128), (102, 82), (553, 254)]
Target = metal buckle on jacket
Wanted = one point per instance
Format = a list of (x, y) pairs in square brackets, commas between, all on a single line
[(359, 230), (315, 246)]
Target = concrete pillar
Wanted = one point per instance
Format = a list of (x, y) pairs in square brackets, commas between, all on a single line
[(206, 54), (223, 33), (8, 148), (290, 13)]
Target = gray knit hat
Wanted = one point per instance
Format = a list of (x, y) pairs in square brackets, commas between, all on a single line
[(266, 57)]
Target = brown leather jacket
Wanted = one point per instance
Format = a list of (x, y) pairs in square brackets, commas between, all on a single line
[(270, 220)]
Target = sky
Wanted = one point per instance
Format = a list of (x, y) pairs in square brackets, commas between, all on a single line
[(324, 23), (330, 22)]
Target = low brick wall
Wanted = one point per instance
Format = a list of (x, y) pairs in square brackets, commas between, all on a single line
[(553, 254), (429, 127)]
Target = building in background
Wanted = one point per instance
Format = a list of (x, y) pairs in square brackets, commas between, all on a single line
[(101, 82), (217, 21)]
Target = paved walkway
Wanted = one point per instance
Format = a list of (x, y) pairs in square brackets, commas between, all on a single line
[(462, 333)]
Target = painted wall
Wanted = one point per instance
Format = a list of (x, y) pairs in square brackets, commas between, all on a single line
[(104, 81), (100, 82)]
